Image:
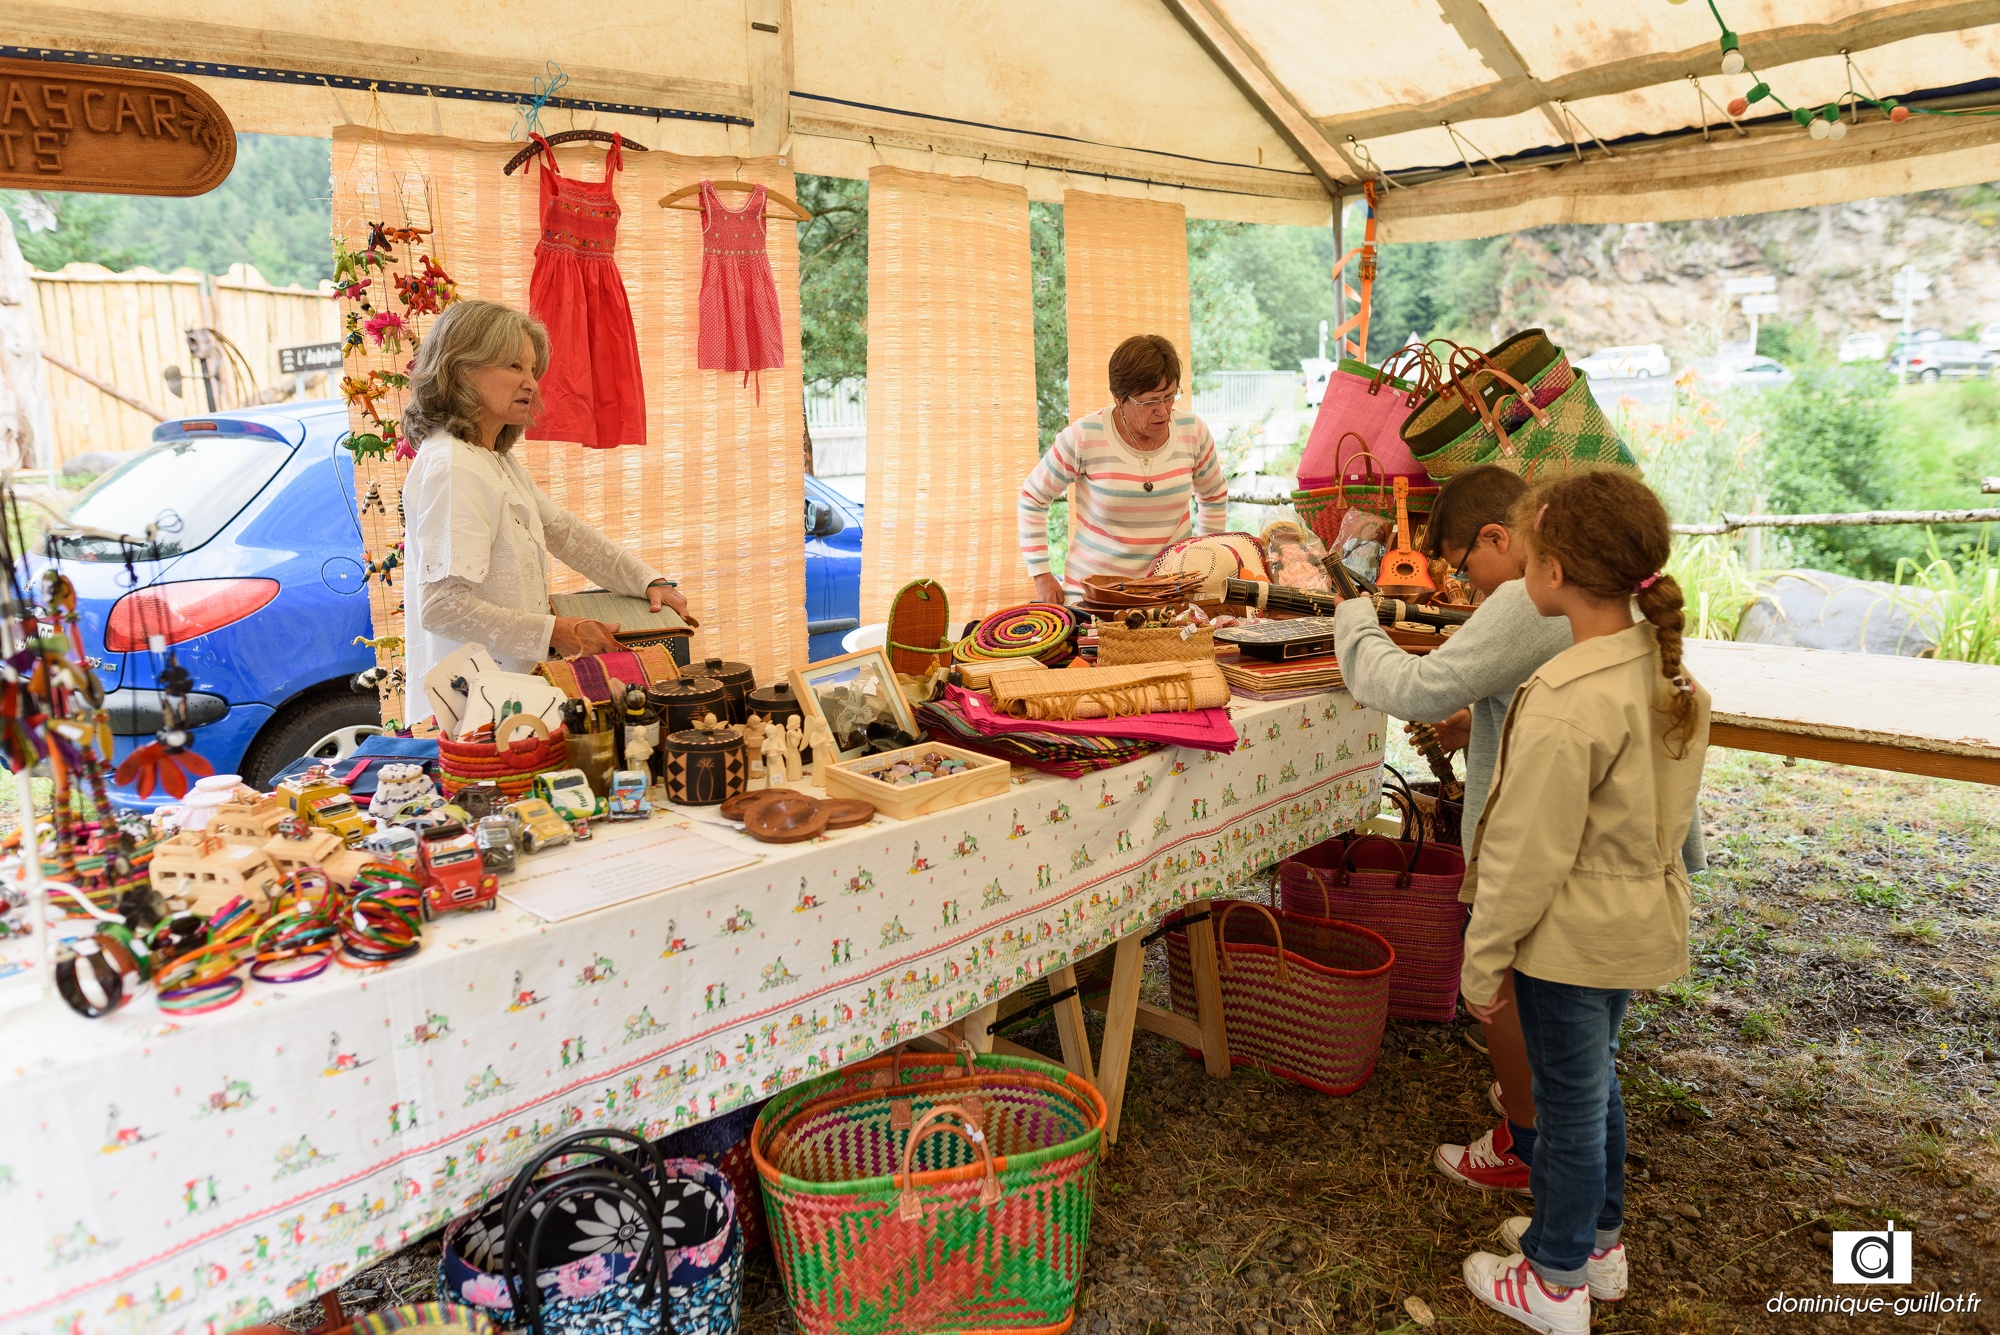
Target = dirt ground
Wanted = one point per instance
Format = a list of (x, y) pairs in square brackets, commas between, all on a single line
[(1831, 1061)]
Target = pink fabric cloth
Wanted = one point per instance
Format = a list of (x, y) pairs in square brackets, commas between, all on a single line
[(739, 298), (1203, 729)]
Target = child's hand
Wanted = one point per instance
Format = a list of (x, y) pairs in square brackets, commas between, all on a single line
[(1488, 1013), (1455, 733)]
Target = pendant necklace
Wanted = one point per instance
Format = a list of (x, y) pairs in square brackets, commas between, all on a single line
[(1145, 456)]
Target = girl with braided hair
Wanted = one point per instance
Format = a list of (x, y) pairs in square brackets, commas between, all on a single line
[(1581, 889)]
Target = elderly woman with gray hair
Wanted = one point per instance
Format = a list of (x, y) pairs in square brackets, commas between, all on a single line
[(479, 532)]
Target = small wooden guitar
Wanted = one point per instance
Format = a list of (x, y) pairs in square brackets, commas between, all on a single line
[(1424, 737), (1404, 573)]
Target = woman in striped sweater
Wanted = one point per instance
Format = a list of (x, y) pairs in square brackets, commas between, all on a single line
[(1135, 465)]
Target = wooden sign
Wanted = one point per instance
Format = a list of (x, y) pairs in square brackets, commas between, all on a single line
[(109, 131)]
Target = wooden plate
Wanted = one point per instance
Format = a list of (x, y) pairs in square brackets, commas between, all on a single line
[(785, 818), (846, 812), (734, 807)]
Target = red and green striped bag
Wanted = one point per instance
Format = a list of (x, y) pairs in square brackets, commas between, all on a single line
[(905, 1196)]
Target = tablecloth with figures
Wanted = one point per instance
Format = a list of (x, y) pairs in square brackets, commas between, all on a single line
[(161, 1176)]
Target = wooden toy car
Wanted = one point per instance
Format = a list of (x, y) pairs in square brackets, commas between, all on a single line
[(326, 804), (453, 872), (628, 795), (568, 791), (540, 826)]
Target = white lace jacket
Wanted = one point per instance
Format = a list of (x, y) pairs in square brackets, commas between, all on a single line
[(478, 535)]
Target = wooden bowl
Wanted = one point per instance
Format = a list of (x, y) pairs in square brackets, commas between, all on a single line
[(844, 813), (733, 808), (785, 818)]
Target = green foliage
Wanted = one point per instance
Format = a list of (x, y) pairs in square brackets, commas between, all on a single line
[(1046, 274), (275, 211), (833, 278), (1828, 448), (1437, 289), (1230, 333), (1796, 343), (1289, 271)]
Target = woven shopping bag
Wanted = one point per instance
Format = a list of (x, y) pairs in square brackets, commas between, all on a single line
[(1408, 892), (908, 1197), (1569, 433), (1366, 487), (1364, 409), (1527, 358), (1119, 645), (724, 1143), (620, 1241), (1304, 998)]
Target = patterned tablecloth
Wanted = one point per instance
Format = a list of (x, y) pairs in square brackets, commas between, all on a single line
[(182, 1177)]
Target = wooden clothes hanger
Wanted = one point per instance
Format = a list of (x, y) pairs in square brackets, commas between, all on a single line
[(515, 163), (683, 198)]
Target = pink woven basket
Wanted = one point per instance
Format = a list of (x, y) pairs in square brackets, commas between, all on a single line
[(1303, 998), (1406, 891)]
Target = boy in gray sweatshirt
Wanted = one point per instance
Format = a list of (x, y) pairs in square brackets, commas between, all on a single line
[(1466, 685)]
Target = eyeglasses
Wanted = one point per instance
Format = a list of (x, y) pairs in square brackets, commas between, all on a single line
[(1154, 404)]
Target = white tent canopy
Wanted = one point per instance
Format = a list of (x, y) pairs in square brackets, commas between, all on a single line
[(1263, 110)]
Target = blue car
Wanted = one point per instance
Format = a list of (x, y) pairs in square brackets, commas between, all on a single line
[(256, 580)]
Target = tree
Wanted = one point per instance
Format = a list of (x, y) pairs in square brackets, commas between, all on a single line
[(1051, 287), (833, 278), (1230, 333), (1828, 449), (1290, 272)]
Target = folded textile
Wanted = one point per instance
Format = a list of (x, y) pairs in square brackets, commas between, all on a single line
[(1050, 753), (1204, 729)]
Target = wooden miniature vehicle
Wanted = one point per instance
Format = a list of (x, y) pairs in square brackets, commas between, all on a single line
[(568, 791), (453, 872), (208, 871), (498, 847), (315, 848), (326, 804), (628, 799), (249, 821), (540, 826)]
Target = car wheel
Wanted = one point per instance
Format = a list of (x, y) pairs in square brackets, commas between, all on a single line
[(326, 727), (1930, 376)]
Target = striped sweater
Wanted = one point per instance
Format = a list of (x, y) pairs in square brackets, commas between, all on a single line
[(1116, 526)]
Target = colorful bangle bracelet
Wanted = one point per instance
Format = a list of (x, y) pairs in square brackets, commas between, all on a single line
[(105, 981), (203, 997)]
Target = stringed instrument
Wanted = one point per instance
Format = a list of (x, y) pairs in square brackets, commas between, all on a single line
[(1404, 573), (1424, 737), (1304, 602)]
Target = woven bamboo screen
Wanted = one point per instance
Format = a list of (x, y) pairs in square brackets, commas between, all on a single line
[(714, 498), (1125, 270), (951, 388)]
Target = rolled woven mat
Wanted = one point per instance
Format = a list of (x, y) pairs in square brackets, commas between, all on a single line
[(1031, 630), (1111, 692), (978, 675)]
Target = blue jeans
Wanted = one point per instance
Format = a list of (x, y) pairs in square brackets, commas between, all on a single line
[(1578, 1175)]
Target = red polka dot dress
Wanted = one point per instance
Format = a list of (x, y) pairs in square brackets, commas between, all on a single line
[(739, 298), (593, 392)]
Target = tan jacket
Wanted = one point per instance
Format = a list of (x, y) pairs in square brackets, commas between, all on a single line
[(1578, 852)]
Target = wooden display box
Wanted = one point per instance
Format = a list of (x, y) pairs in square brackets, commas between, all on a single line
[(982, 777)]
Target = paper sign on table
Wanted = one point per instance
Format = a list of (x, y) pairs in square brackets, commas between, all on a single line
[(570, 886)]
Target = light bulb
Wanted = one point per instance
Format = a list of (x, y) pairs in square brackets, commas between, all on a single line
[(1732, 62), (1837, 130), (1899, 114), (1738, 105), (1819, 129)]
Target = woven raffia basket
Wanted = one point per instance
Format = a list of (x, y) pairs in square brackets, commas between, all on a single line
[(1112, 692), (1119, 645), (513, 766), (906, 1196), (1406, 891)]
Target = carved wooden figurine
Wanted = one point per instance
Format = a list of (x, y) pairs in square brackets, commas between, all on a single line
[(819, 739), (794, 739), (774, 757), (753, 747)]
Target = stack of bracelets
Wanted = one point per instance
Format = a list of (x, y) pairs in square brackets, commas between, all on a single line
[(104, 971), (382, 922), (300, 937), (203, 978)]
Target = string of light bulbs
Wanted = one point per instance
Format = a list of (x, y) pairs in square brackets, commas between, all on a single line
[(1819, 122)]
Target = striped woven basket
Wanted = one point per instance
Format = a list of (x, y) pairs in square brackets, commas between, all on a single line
[(1303, 998), (907, 1196), (1408, 892), (1479, 440)]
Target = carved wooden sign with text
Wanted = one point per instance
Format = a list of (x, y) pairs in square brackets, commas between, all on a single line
[(109, 131)]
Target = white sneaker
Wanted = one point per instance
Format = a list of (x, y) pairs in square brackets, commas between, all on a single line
[(1609, 1275), (1510, 1286), (1493, 1097)]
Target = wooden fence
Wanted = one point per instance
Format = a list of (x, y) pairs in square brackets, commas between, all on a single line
[(123, 330)]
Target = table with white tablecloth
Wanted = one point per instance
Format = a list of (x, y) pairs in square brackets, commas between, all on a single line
[(161, 1175)]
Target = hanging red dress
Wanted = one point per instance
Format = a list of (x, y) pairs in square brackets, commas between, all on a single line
[(592, 392), (739, 298)]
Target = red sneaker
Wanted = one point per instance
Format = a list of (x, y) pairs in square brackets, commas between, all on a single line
[(1488, 1164)]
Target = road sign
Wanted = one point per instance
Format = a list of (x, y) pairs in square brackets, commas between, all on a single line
[(1909, 284), (1760, 305), (1737, 287), (310, 357)]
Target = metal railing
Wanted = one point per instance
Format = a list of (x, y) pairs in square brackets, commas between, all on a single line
[(837, 404)]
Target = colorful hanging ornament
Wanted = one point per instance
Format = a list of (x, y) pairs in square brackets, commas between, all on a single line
[(168, 760)]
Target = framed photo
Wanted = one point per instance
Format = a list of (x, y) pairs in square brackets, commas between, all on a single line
[(850, 692)]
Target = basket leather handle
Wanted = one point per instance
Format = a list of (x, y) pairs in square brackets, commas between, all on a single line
[(1414, 821), (893, 1077), (1277, 934), (1424, 374), (1409, 852), (909, 1208), (1371, 478)]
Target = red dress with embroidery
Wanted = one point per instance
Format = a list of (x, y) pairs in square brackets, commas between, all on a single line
[(739, 298), (592, 391)]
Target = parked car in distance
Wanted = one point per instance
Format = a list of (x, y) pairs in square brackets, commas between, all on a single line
[(1742, 372), (1989, 337), (1626, 363), (1863, 348), (1952, 357), (833, 568)]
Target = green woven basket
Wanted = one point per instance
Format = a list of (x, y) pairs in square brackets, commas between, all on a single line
[(1576, 435), (908, 1196)]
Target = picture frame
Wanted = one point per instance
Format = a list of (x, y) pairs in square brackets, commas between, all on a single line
[(833, 689)]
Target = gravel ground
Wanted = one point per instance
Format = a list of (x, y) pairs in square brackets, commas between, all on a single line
[(1832, 1060)]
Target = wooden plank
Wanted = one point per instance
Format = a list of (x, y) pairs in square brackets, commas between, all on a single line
[(978, 1027), (1870, 755), (1170, 1024), (1214, 1037), (1920, 705), (1121, 1014), (1070, 1026), (1007, 1047)]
